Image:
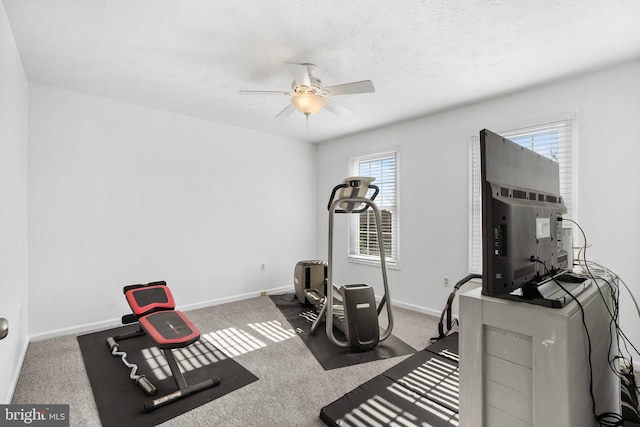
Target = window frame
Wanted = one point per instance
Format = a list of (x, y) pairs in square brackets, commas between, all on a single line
[(565, 124), (353, 238)]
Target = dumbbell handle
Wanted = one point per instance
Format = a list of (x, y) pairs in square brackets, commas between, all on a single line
[(146, 385)]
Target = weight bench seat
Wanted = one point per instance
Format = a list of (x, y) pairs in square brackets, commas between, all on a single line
[(169, 329)]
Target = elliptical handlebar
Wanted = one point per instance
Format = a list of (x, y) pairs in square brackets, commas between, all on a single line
[(353, 200), (355, 183)]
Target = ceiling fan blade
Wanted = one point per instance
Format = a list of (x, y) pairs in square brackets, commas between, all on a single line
[(263, 92), (299, 72), (365, 86), (337, 109), (288, 110)]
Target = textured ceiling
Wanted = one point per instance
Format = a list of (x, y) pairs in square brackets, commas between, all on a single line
[(193, 56)]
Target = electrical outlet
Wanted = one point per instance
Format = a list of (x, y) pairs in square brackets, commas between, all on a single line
[(445, 281), (263, 293), (263, 266)]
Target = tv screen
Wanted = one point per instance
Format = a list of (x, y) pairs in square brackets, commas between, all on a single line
[(521, 204)]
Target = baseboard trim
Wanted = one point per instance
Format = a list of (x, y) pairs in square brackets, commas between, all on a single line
[(233, 298), (16, 374), (113, 323), (417, 308), (74, 330)]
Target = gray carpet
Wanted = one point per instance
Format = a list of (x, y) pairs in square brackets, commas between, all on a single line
[(291, 389)]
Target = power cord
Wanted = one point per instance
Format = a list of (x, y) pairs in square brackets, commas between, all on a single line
[(446, 316), (607, 419), (611, 279), (585, 265)]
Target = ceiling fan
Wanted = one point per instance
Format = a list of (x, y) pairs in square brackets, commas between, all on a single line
[(307, 94)]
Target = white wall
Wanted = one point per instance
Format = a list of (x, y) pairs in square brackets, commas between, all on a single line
[(434, 183), (121, 194), (13, 209)]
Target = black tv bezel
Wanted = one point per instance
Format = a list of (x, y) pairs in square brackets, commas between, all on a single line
[(520, 196)]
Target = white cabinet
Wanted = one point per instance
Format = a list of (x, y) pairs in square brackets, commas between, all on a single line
[(527, 365)]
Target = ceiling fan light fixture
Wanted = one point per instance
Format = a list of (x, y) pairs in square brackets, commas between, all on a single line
[(308, 96), (308, 103)]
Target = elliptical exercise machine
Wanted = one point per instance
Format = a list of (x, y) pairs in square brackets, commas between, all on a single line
[(357, 314)]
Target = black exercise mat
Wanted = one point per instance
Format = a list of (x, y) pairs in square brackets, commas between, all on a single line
[(381, 401), (447, 346), (120, 401), (429, 375), (328, 354), (421, 389)]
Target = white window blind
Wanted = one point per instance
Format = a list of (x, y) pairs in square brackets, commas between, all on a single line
[(363, 239), (553, 139)]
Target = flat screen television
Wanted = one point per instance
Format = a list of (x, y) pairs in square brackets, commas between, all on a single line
[(521, 220)]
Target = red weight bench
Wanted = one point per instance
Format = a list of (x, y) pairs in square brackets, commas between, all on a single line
[(152, 307)]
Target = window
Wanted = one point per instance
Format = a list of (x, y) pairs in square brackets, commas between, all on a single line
[(553, 139), (363, 238)]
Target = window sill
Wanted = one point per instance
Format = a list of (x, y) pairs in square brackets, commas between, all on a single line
[(391, 264)]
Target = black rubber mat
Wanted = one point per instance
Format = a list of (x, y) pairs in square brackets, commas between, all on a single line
[(420, 390), (382, 402), (328, 354), (120, 401), (447, 346), (431, 376)]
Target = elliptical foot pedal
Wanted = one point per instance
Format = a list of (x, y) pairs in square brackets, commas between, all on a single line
[(315, 297)]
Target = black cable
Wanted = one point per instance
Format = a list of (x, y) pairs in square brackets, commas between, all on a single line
[(614, 317), (446, 316), (593, 401), (606, 419)]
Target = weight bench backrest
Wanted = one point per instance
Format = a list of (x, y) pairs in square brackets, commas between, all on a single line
[(149, 299)]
